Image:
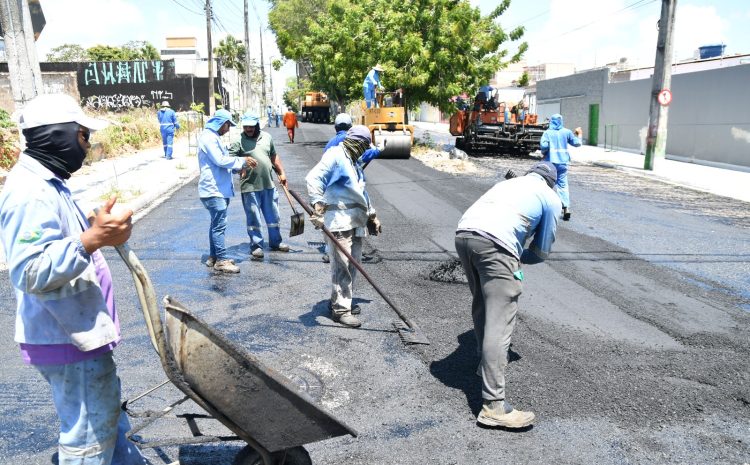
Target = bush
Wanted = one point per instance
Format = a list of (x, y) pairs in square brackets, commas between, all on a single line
[(134, 130), (9, 150)]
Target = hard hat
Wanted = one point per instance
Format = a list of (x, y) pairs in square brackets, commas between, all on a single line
[(343, 119), (48, 109), (165, 104)]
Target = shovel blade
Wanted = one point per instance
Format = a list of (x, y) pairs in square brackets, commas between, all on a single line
[(298, 225)]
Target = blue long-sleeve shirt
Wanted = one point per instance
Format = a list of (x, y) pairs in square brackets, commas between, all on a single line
[(513, 211), (167, 119), (59, 295), (555, 140), (372, 80), (216, 166), (335, 140), (340, 184)]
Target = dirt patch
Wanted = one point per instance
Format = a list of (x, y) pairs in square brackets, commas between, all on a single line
[(441, 161), (450, 271)]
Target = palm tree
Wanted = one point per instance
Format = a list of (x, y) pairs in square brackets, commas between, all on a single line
[(231, 54)]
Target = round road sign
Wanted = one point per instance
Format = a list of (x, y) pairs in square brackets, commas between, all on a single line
[(665, 96)]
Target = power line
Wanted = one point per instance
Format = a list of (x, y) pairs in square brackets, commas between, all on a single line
[(188, 9), (633, 6)]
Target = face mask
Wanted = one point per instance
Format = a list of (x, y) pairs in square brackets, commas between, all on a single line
[(56, 147)]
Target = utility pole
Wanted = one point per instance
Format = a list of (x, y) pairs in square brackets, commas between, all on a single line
[(23, 66), (211, 100), (656, 140), (270, 76), (247, 57), (262, 70)]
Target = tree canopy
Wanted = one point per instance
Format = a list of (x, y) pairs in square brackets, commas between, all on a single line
[(432, 49), (231, 53), (133, 50)]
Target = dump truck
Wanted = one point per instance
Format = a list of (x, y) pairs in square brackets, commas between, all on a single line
[(490, 128), (387, 123), (317, 108)]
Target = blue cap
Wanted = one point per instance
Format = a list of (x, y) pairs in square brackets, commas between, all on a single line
[(249, 119), (218, 120)]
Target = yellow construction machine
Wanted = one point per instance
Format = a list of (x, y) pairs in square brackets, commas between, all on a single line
[(387, 122)]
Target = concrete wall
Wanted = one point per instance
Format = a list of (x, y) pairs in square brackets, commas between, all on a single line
[(53, 83), (709, 117), (572, 95)]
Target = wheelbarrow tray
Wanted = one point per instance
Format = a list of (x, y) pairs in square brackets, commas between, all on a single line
[(249, 398)]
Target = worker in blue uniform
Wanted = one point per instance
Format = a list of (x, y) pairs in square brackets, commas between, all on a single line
[(372, 81), (167, 125), (554, 146)]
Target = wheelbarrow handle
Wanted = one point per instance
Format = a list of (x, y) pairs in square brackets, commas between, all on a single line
[(356, 264)]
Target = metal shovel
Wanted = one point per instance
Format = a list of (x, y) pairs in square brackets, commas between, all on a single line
[(298, 219), (407, 330)]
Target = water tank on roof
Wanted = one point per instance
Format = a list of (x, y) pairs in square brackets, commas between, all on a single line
[(710, 51)]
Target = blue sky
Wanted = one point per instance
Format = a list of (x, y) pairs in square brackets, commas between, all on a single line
[(585, 32)]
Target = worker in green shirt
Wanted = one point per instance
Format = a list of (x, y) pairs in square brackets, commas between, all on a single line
[(259, 195)]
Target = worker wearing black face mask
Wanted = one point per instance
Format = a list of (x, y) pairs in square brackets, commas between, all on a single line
[(66, 323)]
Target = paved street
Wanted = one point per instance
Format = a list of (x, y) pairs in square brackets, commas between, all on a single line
[(632, 344)]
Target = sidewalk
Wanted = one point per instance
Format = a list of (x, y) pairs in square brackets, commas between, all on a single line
[(141, 180), (719, 181)]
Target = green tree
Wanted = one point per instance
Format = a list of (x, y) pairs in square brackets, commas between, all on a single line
[(523, 81), (432, 49), (231, 53), (142, 50), (131, 51), (108, 53), (68, 53)]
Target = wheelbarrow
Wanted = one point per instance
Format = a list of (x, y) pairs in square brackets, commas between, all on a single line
[(260, 406)]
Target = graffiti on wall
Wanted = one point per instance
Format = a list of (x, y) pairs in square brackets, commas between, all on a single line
[(116, 102), (123, 72)]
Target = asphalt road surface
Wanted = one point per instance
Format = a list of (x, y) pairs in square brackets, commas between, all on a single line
[(631, 347)]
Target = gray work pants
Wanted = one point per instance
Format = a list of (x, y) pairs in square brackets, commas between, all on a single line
[(489, 270), (342, 271)]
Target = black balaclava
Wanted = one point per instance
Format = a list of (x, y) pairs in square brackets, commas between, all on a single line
[(56, 147)]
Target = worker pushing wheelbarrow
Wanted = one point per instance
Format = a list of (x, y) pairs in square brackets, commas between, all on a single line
[(260, 406)]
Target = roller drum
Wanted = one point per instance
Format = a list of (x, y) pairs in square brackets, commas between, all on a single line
[(398, 144)]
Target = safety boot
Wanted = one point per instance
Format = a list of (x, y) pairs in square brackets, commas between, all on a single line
[(226, 266), (347, 319), (257, 254), (500, 413), (282, 247), (210, 262)]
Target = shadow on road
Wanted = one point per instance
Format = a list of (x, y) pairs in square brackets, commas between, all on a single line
[(458, 370)]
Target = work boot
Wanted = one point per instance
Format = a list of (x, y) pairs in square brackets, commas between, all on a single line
[(226, 266), (281, 247), (566, 214), (210, 262), (356, 309), (499, 413), (347, 319), (257, 253)]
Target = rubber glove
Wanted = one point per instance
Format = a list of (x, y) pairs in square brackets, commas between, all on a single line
[(317, 218)]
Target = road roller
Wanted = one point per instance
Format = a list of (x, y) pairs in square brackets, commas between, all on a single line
[(387, 122)]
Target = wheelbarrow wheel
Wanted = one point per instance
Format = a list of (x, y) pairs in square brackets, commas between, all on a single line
[(294, 456)]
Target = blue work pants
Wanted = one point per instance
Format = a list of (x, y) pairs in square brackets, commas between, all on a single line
[(92, 424), (562, 183), (266, 203), (369, 96), (167, 138), (217, 208)]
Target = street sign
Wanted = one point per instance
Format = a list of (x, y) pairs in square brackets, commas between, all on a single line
[(665, 96), (37, 18)]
